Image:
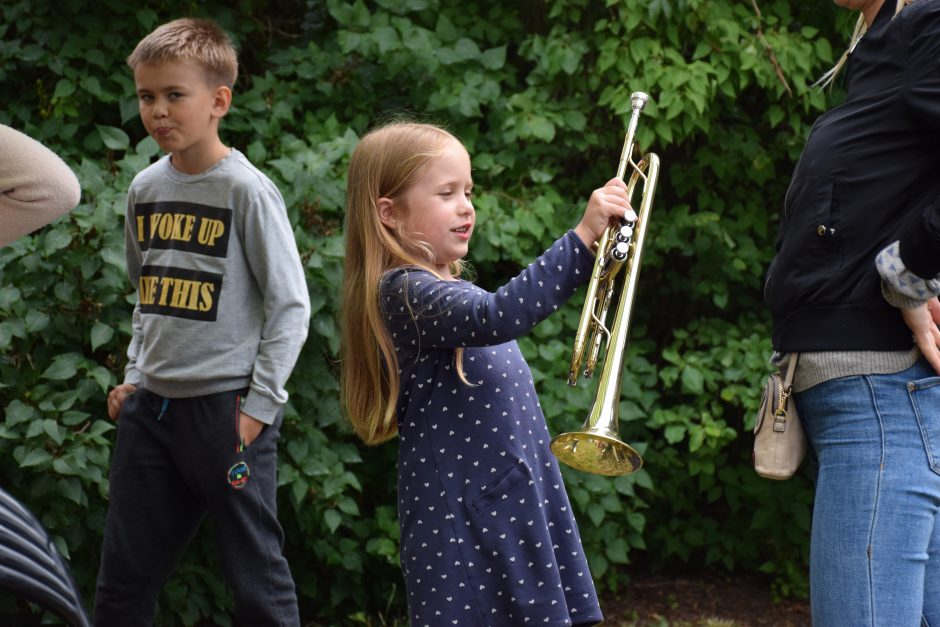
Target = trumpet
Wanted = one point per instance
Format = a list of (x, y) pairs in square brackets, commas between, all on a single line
[(597, 447)]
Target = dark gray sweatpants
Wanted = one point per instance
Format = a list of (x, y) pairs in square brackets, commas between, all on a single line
[(175, 461)]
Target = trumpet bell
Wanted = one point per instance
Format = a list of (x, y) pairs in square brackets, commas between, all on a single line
[(596, 453)]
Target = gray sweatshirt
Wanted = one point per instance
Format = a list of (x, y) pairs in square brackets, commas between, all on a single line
[(222, 298)]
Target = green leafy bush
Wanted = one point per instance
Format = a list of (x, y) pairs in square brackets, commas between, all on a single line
[(539, 91)]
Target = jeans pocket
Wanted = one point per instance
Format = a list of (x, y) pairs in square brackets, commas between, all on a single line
[(925, 399)]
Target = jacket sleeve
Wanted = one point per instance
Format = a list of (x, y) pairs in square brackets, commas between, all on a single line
[(920, 240), (276, 266), (422, 310), (901, 287), (36, 186)]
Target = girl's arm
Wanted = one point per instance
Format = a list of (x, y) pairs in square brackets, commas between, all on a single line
[(422, 310)]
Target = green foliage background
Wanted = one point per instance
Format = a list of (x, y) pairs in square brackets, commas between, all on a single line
[(539, 91)]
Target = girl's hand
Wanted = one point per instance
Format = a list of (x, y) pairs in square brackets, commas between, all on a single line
[(605, 204), (116, 399), (923, 323)]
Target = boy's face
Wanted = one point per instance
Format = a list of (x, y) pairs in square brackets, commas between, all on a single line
[(181, 111)]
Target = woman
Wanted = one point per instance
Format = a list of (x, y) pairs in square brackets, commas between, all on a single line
[(853, 289)]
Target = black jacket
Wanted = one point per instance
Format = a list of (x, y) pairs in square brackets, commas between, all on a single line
[(869, 175)]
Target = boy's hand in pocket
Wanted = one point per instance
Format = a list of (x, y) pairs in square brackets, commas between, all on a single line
[(248, 428), (117, 397)]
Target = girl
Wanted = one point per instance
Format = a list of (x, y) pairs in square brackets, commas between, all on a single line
[(487, 532)]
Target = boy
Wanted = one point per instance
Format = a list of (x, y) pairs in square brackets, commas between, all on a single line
[(222, 314)]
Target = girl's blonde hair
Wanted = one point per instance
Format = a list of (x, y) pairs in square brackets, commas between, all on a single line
[(861, 27), (386, 162)]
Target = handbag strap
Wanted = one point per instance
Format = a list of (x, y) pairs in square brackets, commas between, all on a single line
[(783, 394), (791, 368)]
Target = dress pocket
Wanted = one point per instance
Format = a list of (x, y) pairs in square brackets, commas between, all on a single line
[(513, 481), (925, 398)]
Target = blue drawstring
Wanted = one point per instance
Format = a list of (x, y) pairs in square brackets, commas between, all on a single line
[(166, 403)]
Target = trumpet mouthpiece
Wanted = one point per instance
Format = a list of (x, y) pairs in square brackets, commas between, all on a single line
[(639, 99)]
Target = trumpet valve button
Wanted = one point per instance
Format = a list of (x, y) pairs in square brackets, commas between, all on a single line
[(620, 251), (624, 234)]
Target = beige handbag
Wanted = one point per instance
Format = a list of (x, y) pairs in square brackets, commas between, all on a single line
[(779, 441)]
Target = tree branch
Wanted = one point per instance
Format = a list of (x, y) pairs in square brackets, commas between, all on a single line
[(770, 50)]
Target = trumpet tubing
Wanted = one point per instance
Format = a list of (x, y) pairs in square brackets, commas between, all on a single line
[(597, 447)]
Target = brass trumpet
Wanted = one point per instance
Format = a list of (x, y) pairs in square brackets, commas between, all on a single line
[(597, 447)]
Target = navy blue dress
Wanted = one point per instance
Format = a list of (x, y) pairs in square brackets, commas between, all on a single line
[(487, 532)]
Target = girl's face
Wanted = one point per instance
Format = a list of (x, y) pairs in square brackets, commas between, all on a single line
[(437, 208)]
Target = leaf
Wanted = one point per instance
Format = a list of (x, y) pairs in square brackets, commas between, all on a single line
[(34, 429), (63, 367), (53, 430), (775, 115), (147, 147), (8, 296), (113, 137), (386, 37), (596, 513), (147, 18), (17, 412), (56, 239), (692, 380), (35, 457), (63, 89), (637, 521), (541, 128), (299, 488), (36, 321), (332, 519), (63, 466), (99, 427), (71, 489), (100, 334), (102, 377), (674, 433), (72, 418), (348, 506), (696, 438), (494, 58), (617, 551), (129, 109), (466, 49)]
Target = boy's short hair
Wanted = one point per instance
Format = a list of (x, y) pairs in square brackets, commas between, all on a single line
[(198, 41)]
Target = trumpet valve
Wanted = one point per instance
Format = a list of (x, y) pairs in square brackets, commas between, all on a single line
[(620, 251), (624, 233)]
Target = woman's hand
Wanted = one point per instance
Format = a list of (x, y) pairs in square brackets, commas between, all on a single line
[(116, 399), (606, 203), (923, 323)]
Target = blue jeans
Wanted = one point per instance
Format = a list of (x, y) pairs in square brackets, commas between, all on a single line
[(875, 546)]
